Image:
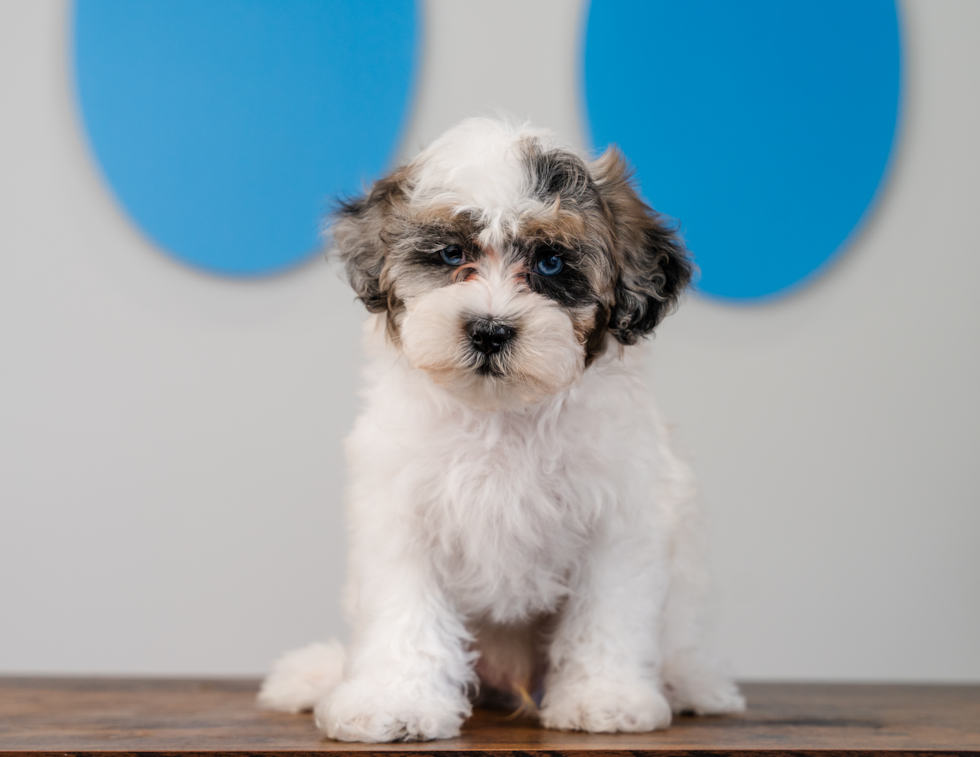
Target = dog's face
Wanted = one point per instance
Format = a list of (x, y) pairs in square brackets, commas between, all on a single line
[(504, 264)]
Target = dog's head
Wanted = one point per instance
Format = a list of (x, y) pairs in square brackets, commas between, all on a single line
[(505, 264)]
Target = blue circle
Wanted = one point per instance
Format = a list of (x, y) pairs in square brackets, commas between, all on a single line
[(763, 126), (224, 127)]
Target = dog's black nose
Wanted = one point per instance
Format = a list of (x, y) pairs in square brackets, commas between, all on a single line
[(489, 337)]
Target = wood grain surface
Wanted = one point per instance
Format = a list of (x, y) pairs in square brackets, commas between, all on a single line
[(156, 717)]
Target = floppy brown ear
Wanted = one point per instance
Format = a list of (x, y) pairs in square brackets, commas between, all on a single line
[(653, 268), (357, 231)]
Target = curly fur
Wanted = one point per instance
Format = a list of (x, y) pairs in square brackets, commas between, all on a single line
[(517, 518)]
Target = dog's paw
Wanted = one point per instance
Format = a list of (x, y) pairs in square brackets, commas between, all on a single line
[(722, 698), (375, 712), (603, 706), (303, 677), (694, 682)]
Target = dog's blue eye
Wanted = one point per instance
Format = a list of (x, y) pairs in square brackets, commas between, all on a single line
[(549, 266), (452, 255)]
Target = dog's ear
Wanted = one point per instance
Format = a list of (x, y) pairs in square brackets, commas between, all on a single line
[(652, 266), (358, 235)]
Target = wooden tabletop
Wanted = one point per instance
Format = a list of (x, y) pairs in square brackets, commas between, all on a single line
[(47, 716)]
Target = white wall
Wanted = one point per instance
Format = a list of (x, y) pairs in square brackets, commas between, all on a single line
[(171, 481)]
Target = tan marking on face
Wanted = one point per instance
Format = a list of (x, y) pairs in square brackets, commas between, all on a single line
[(564, 228), (518, 272), (460, 225), (465, 272), (590, 330), (582, 325)]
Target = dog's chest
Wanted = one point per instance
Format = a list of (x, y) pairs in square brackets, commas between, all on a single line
[(514, 501)]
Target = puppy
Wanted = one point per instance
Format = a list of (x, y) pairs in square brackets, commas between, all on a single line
[(518, 522)]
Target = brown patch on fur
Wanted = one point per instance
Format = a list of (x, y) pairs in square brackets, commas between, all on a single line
[(596, 341), (414, 237), (375, 235), (444, 217), (393, 317), (584, 232), (417, 223), (465, 272), (562, 227), (591, 333), (576, 221), (652, 265), (359, 236)]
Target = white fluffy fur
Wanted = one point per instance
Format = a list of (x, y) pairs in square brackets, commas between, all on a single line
[(476, 167), (548, 351), (481, 510), (303, 677)]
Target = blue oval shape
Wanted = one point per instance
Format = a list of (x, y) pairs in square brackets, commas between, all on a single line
[(225, 126), (765, 127)]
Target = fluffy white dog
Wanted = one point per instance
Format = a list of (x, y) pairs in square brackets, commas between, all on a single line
[(518, 521)]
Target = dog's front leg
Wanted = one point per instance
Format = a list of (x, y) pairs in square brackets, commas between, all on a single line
[(409, 668), (604, 660)]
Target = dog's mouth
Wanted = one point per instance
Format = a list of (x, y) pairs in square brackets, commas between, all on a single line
[(488, 367)]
